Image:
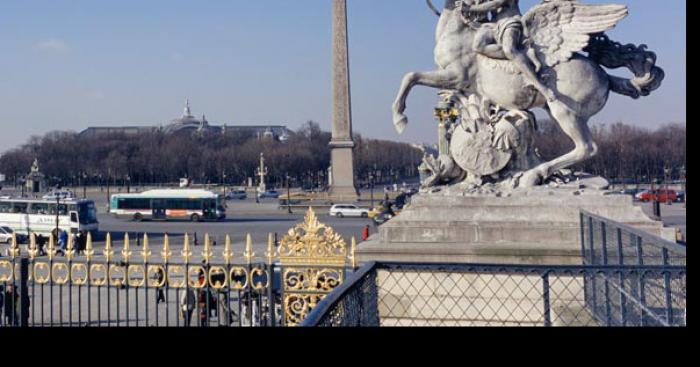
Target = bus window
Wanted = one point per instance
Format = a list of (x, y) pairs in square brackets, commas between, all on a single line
[(19, 208), (133, 204), (87, 213), (39, 208), (62, 209), (5, 207)]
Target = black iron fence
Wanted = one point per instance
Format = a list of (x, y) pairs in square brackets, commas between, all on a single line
[(615, 299), (628, 278)]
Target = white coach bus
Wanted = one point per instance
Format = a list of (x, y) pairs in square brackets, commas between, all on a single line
[(194, 205), (28, 216)]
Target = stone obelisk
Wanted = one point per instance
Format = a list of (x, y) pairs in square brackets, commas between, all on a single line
[(343, 172)]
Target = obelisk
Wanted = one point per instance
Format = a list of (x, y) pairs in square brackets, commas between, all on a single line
[(343, 172)]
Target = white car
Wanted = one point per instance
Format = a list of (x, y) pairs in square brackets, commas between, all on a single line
[(63, 195), (348, 210), (6, 236)]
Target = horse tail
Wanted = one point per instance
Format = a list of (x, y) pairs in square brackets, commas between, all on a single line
[(642, 63)]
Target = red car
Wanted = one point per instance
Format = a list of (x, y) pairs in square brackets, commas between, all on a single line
[(660, 195)]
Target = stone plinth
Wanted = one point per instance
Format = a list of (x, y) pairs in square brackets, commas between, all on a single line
[(538, 226)]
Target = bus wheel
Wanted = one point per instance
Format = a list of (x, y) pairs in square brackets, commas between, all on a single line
[(195, 218), (138, 217)]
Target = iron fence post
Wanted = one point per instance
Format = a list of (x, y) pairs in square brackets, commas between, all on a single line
[(604, 244), (23, 292), (667, 288), (621, 262), (547, 305), (642, 294), (271, 306)]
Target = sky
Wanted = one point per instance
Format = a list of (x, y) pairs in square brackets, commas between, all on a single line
[(71, 64)]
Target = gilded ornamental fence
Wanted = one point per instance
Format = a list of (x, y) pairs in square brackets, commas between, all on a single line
[(141, 285)]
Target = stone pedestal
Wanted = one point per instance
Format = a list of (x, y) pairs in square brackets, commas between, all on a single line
[(539, 226)]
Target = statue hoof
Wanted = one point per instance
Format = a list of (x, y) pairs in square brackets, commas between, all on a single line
[(400, 123), (530, 179)]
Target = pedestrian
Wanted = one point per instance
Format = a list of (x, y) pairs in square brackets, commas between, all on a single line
[(40, 244), (203, 302), (160, 279), (63, 242), (196, 241), (187, 304), (7, 304), (365, 233)]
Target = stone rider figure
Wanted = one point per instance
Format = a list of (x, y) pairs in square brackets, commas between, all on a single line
[(503, 39)]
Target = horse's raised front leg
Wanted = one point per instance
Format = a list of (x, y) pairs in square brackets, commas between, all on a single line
[(576, 127), (441, 79)]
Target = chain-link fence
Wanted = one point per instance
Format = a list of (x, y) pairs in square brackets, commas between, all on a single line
[(628, 278)]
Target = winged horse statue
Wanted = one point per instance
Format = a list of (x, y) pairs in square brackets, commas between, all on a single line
[(555, 32)]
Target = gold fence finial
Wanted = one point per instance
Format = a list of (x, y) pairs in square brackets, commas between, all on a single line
[(14, 247), (353, 257), (186, 253), (166, 253), (70, 248), (146, 252), (207, 254), (249, 254), (108, 247), (270, 254), (32, 249), (228, 252), (89, 251), (51, 248), (126, 252)]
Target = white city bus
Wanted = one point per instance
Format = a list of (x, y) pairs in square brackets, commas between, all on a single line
[(194, 205), (28, 216)]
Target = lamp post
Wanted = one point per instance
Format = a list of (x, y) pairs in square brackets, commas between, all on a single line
[(289, 197), (685, 187), (128, 184), (371, 189), (85, 176), (667, 178)]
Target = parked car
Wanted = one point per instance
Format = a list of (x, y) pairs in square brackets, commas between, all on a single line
[(6, 236), (237, 195), (270, 194), (680, 197), (348, 210), (660, 195), (63, 195)]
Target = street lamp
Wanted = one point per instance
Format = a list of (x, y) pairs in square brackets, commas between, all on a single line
[(85, 177), (289, 197), (685, 187), (371, 188)]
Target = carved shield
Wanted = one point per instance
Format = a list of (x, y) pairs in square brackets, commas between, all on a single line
[(475, 154)]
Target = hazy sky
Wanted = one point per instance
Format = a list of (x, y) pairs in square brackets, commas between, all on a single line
[(70, 64)]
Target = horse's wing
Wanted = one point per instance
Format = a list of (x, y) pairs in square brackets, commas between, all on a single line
[(559, 28)]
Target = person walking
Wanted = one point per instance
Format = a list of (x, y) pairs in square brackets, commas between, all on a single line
[(160, 279), (63, 242), (187, 304)]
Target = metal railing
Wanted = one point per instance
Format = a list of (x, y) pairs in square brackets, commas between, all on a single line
[(192, 287), (628, 278), (608, 243)]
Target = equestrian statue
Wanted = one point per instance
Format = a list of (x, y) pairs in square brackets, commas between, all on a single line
[(496, 65)]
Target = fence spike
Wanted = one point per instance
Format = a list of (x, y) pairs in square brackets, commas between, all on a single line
[(249, 254), (166, 253), (270, 254), (353, 247), (126, 253), (186, 253), (228, 252), (146, 252), (70, 248), (207, 254), (14, 247), (51, 248), (32, 249), (88, 247), (108, 247)]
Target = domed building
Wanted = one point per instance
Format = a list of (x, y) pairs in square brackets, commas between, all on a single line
[(188, 123)]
